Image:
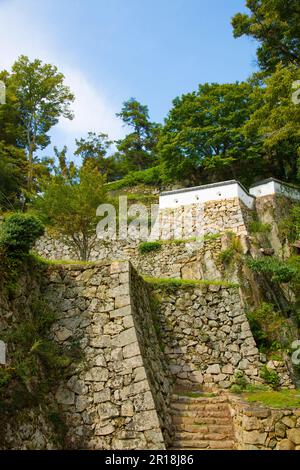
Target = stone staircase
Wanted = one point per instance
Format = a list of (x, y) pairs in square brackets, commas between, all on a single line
[(201, 421)]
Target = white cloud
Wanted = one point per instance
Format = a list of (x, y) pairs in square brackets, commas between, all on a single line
[(92, 110), (22, 32)]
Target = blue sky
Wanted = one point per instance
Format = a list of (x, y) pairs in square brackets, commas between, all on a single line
[(110, 50)]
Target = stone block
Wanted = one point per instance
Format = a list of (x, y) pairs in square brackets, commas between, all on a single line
[(285, 444), (294, 435), (125, 337), (64, 396)]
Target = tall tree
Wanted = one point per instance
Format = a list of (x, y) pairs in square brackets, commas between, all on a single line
[(275, 24), (36, 99), (64, 168), (276, 122), (93, 150), (203, 137), (137, 148), (13, 167)]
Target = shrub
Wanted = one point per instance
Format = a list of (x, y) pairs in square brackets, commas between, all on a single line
[(270, 376), (279, 271), (146, 247), (259, 227), (149, 176), (19, 232), (240, 382), (226, 256), (269, 328)]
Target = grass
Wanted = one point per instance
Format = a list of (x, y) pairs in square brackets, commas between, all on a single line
[(196, 394), (275, 399), (258, 227), (49, 262), (171, 282)]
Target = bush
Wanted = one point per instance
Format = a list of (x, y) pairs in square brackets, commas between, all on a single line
[(270, 376), (146, 247), (226, 256), (279, 271), (19, 232), (240, 382), (259, 227), (151, 176), (270, 329)]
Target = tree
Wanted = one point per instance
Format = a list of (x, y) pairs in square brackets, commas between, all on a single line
[(66, 169), (275, 25), (13, 166), (69, 208), (203, 135), (36, 99), (276, 122), (93, 150), (137, 148)]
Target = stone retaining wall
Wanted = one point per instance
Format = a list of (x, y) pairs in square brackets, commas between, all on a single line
[(206, 335), (200, 219), (108, 401), (117, 396), (258, 427), (187, 260)]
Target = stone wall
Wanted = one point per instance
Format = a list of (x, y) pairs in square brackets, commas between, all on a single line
[(206, 335), (258, 427), (117, 396), (200, 219), (181, 223), (108, 400), (187, 260), (156, 367), (272, 209)]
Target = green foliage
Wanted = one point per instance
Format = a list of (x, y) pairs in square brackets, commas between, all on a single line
[(151, 176), (177, 283), (13, 167), (276, 123), (69, 208), (279, 271), (93, 150), (289, 227), (258, 227), (19, 232), (271, 330), (36, 99), (240, 382), (275, 399), (211, 236), (203, 136), (146, 247), (270, 376), (226, 256), (37, 362), (136, 150), (229, 254), (275, 25)]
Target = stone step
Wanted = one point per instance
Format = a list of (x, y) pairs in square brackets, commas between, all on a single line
[(201, 420), (198, 399), (201, 414), (199, 407), (202, 445), (202, 435), (205, 428)]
